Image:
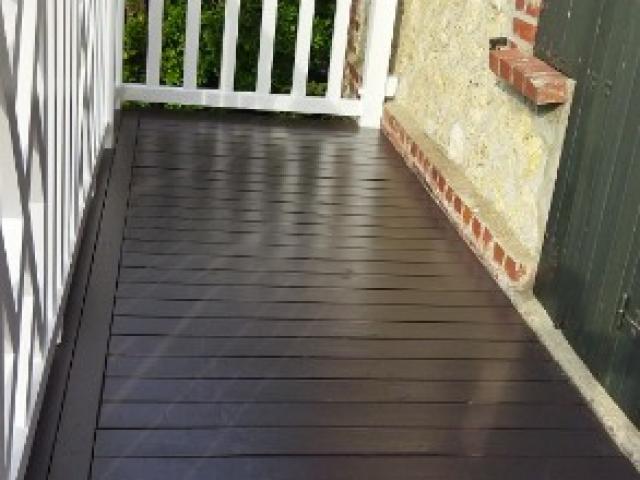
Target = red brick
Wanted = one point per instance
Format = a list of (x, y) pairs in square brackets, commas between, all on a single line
[(442, 184), (424, 163), (487, 237), (544, 89), (457, 204), (529, 67), (525, 64), (500, 61), (466, 215), (476, 227), (514, 271), (498, 253), (533, 10), (525, 30), (449, 195), (414, 149), (520, 4), (435, 175)]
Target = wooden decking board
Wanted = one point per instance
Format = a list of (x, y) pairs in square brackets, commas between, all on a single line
[(257, 211), (278, 237), (311, 295), (329, 369), (300, 280), (276, 265), (302, 312), (314, 347), (346, 467), (261, 162), (341, 390), (322, 198), (221, 442), (274, 215), (466, 417), (288, 305), (276, 175), (331, 250), (219, 166), (240, 327)]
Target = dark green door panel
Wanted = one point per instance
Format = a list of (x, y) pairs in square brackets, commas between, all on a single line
[(592, 243), (566, 34)]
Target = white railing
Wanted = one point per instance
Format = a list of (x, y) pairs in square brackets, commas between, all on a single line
[(56, 114), (381, 18)]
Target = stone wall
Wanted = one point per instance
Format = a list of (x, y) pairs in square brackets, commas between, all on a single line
[(507, 148)]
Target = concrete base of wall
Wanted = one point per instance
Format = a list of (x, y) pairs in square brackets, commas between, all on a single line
[(623, 432), (513, 268)]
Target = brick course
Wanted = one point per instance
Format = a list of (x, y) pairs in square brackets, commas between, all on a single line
[(472, 228)]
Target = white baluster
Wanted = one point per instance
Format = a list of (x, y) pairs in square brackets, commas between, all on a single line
[(338, 48), (154, 45), (192, 44), (381, 20), (267, 40), (303, 48), (229, 45)]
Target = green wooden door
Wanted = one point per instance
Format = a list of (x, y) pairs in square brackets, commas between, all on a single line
[(592, 245)]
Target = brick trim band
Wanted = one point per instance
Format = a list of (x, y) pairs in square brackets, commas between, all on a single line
[(480, 237)]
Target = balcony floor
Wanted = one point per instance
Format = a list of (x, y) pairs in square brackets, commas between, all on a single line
[(278, 299)]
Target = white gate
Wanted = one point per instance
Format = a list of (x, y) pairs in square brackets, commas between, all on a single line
[(380, 20)]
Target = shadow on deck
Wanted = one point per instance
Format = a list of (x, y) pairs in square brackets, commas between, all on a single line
[(278, 299)]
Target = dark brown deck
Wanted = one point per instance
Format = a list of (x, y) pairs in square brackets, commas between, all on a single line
[(272, 299)]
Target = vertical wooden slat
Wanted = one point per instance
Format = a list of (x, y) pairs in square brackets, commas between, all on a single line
[(338, 48), (154, 49), (267, 40), (192, 44), (303, 48), (231, 15)]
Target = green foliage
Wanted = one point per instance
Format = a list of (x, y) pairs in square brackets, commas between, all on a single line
[(135, 46), (210, 55)]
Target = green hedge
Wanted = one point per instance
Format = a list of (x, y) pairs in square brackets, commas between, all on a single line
[(135, 44)]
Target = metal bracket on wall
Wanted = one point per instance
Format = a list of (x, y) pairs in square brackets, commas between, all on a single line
[(498, 43)]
